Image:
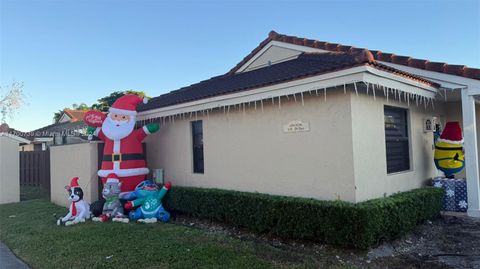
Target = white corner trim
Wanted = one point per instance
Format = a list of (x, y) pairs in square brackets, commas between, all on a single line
[(339, 78)]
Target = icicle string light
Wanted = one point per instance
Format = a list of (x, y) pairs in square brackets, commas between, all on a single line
[(407, 97), (373, 90)]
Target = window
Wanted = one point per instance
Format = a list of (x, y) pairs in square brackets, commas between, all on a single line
[(197, 142), (396, 138)]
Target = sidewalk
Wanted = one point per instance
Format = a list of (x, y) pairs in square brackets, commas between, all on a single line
[(8, 260)]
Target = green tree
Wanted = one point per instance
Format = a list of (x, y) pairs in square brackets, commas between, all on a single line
[(81, 106), (104, 103)]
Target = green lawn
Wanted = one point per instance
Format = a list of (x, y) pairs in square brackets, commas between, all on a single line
[(29, 229)]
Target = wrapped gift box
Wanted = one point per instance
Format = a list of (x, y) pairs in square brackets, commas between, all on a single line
[(455, 197)]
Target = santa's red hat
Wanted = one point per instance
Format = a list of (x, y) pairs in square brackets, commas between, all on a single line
[(74, 182), (452, 133), (113, 178), (127, 104)]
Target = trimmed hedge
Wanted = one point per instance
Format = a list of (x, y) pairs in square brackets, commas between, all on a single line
[(360, 225)]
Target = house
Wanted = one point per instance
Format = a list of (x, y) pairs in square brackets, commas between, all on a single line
[(302, 117), (69, 129), (71, 115), (59, 134)]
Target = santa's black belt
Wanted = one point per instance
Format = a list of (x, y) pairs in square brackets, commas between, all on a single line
[(123, 157)]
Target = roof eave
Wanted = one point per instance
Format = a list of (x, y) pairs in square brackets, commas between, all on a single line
[(363, 73)]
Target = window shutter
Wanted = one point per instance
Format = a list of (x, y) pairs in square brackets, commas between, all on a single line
[(396, 139)]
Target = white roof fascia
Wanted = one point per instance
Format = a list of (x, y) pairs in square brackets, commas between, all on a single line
[(43, 139), (445, 80), (339, 78), (393, 81)]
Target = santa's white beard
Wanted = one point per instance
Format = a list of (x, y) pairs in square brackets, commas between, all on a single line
[(117, 130)]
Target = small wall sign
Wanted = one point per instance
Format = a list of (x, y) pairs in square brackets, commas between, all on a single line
[(429, 124), (296, 126)]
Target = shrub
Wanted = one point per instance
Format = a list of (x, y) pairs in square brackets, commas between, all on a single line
[(359, 225)]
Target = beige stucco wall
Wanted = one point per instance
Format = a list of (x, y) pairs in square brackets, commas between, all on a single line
[(250, 152), (343, 156), (371, 178), (9, 170), (75, 160)]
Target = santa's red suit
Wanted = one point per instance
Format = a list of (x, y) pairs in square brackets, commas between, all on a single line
[(125, 158), (123, 154)]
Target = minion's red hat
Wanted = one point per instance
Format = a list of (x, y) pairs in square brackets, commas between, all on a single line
[(452, 133)]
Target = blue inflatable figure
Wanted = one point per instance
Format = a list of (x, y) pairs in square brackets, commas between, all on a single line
[(147, 196)]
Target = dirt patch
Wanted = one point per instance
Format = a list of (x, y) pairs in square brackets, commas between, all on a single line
[(450, 241)]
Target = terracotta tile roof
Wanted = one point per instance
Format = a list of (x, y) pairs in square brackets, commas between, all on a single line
[(305, 65), (75, 115), (457, 70)]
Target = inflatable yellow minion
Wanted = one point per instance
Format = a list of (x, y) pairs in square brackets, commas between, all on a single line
[(448, 155)]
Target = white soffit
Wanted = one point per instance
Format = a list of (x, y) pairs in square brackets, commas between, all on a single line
[(384, 83)]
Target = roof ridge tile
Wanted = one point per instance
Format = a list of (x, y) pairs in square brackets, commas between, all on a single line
[(465, 71)]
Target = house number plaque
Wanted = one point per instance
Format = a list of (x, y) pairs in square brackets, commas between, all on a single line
[(296, 126)]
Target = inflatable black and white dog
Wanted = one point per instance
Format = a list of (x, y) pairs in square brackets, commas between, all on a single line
[(79, 209)]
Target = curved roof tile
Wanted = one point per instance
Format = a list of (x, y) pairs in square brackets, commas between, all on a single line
[(457, 70)]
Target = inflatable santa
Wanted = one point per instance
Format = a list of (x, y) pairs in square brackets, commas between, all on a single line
[(123, 152)]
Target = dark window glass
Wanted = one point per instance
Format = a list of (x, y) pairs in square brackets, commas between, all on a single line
[(396, 138), (197, 142)]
